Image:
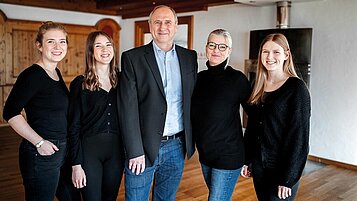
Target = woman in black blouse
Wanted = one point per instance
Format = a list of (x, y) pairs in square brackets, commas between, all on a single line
[(41, 91), (96, 147), (277, 134), (220, 91)]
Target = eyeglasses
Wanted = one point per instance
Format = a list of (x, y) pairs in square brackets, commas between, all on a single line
[(212, 45)]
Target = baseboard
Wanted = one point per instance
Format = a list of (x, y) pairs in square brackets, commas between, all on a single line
[(331, 162)]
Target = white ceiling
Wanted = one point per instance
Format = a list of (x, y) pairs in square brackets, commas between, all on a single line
[(268, 2)]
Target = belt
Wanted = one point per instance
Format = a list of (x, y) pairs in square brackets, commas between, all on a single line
[(172, 137)]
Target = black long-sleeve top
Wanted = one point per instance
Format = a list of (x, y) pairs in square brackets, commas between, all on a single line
[(90, 113), (278, 131), (216, 121), (45, 102)]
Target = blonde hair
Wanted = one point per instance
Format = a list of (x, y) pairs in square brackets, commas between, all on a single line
[(262, 74), (48, 25)]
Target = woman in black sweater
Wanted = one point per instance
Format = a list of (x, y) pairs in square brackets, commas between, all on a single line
[(41, 91), (95, 142), (277, 134), (216, 122)]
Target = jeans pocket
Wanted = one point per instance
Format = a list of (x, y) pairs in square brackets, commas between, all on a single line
[(53, 161), (137, 181)]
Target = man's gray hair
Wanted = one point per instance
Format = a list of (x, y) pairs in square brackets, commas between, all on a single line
[(163, 6)]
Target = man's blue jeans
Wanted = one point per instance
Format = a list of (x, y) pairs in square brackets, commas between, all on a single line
[(220, 182), (165, 174)]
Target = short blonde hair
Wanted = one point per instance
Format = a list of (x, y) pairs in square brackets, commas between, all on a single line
[(48, 25)]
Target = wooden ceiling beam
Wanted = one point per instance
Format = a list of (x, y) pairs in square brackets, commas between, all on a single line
[(124, 8), (146, 12), (120, 6), (179, 6)]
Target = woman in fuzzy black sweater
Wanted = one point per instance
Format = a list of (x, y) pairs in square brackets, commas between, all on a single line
[(216, 122), (277, 134)]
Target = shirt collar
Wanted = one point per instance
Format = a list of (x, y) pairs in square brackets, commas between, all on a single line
[(159, 51)]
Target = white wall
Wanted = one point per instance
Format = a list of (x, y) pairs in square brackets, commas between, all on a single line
[(43, 14), (333, 71), (333, 77)]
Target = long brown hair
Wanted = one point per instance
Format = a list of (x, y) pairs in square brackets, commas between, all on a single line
[(262, 74), (91, 79)]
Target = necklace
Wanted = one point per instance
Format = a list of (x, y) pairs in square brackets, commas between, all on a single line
[(52, 73), (273, 85)]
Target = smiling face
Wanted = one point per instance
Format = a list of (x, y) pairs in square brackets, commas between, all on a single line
[(163, 26), (54, 46), (273, 56), (103, 50), (216, 56)]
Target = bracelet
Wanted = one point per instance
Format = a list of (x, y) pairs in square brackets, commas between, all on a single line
[(39, 144)]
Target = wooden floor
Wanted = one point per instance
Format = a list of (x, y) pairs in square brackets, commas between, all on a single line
[(326, 184)]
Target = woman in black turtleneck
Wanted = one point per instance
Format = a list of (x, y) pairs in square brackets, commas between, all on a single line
[(216, 121)]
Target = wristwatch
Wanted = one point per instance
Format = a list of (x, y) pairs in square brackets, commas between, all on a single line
[(39, 144)]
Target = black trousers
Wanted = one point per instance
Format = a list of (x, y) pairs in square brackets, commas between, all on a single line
[(266, 184), (41, 174), (103, 165), (66, 190)]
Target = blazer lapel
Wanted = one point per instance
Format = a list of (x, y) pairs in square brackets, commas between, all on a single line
[(150, 58), (182, 57)]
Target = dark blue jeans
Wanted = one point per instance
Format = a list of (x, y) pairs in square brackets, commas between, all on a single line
[(41, 174), (165, 174)]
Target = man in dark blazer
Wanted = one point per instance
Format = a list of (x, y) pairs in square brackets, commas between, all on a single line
[(155, 89)]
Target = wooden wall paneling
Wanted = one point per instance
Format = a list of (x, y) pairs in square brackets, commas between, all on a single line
[(2, 48), (2, 104), (79, 55), (8, 57), (2, 62), (20, 48), (5, 90), (24, 50), (73, 64), (21, 38)]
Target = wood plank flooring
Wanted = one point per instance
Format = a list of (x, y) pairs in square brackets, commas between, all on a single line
[(329, 183)]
